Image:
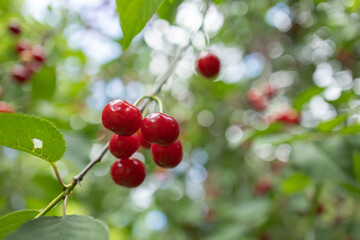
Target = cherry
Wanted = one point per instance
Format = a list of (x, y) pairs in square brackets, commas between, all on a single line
[(160, 128), (270, 90), (169, 156), (142, 141), (38, 53), (22, 46), (262, 187), (20, 73), (320, 209), (256, 99), (208, 64), (123, 146), (4, 107), (289, 117), (121, 117), (14, 28), (128, 172)]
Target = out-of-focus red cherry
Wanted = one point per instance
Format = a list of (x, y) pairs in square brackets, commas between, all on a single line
[(20, 73), (262, 187), (256, 99), (4, 107)]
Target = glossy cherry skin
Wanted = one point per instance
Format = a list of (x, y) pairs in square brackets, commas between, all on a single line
[(123, 146), (20, 73), (38, 53), (128, 172), (208, 65), (169, 156), (4, 107), (14, 28), (142, 141), (160, 128), (121, 117)]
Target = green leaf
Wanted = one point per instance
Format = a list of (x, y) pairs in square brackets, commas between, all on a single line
[(74, 227), (14, 220), (331, 124), (356, 166), (351, 129), (295, 183), (316, 163), (305, 96), (44, 84), (33, 135), (168, 9), (134, 15)]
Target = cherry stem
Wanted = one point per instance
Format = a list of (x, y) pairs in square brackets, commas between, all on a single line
[(64, 204), (152, 98), (57, 174)]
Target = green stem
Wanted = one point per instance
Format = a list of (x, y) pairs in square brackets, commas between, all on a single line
[(314, 205), (58, 175), (152, 98), (58, 199)]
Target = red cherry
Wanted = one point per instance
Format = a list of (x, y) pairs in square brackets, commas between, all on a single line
[(169, 156), (270, 90), (121, 117), (4, 107), (142, 141), (262, 187), (14, 28), (264, 236), (38, 53), (320, 209), (256, 99), (289, 117), (128, 172), (22, 45), (160, 128), (20, 73), (208, 64), (123, 146)]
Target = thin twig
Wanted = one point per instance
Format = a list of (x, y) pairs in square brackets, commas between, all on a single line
[(58, 175), (64, 204)]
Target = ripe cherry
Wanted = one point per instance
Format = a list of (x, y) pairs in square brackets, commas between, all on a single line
[(142, 141), (14, 28), (262, 187), (20, 73), (289, 117), (256, 99), (123, 146), (208, 64), (169, 156), (128, 172), (22, 45), (121, 117), (270, 90), (38, 53), (4, 107), (160, 128)]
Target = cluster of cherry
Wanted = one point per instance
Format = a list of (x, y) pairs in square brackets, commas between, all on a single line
[(32, 57), (259, 99), (157, 130)]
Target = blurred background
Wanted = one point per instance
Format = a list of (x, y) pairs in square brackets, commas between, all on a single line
[(270, 145)]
